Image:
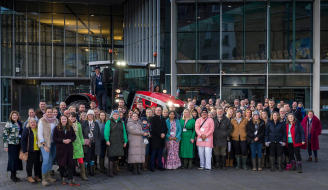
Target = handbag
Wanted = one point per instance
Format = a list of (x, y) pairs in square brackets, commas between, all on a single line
[(24, 156)]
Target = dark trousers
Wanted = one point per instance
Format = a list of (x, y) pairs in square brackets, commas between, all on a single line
[(102, 100), (314, 151), (159, 153), (113, 158), (90, 155), (103, 149), (62, 170), (294, 150), (275, 149), (240, 147), (33, 160)]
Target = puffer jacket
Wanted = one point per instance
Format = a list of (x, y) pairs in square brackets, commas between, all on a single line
[(275, 132), (136, 146)]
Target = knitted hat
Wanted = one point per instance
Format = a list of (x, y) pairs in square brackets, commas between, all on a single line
[(256, 113), (204, 110), (90, 112), (240, 111), (144, 119)]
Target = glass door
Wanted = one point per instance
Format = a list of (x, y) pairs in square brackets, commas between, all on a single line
[(324, 109)]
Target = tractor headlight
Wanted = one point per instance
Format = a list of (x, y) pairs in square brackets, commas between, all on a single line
[(118, 91)]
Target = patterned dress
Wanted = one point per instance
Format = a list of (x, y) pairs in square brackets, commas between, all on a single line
[(172, 148)]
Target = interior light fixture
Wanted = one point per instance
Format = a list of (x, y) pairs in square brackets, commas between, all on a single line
[(92, 15)]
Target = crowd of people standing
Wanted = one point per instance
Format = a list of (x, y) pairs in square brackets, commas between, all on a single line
[(211, 134)]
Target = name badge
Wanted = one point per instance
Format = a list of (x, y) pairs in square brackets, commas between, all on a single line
[(206, 139), (90, 135), (184, 129), (200, 139), (289, 135), (19, 136), (172, 133), (36, 142), (202, 129), (255, 133), (100, 83)]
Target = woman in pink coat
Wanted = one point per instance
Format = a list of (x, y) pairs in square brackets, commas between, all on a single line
[(312, 128), (204, 128)]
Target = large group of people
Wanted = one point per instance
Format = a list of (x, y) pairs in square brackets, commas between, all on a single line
[(212, 134)]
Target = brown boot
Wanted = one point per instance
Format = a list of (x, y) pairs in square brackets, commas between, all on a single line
[(37, 179), (83, 176), (310, 159), (231, 163), (30, 179), (316, 159), (102, 165), (94, 171), (49, 178), (144, 166), (117, 168)]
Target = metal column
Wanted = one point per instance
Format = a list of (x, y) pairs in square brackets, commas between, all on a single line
[(316, 57), (158, 35), (174, 45)]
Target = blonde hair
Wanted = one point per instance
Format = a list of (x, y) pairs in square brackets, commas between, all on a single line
[(184, 117), (233, 115), (71, 107), (30, 120)]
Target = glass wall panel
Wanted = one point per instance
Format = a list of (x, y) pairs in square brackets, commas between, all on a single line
[(186, 46), (46, 37), (229, 94), (323, 67), (208, 31), (290, 80), (118, 34), (58, 39), (106, 32), (20, 38), (288, 68), (70, 40), (33, 39), (5, 99), (291, 94), (29, 97), (95, 31), (323, 109), (240, 68), (83, 39), (6, 37), (323, 80), (324, 30), (190, 68), (232, 46)]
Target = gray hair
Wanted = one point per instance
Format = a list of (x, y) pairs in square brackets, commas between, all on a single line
[(282, 109)]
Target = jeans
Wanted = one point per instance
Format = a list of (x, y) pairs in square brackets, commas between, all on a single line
[(240, 147), (256, 148), (102, 100), (159, 152), (314, 151), (275, 149), (48, 157), (294, 150), (205, 156), (103, 149)]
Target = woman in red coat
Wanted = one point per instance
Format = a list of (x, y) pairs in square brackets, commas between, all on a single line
[(312, 128), (64, 136)]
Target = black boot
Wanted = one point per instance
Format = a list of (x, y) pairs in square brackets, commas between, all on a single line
[(217, 161), (138, 169), (14, 178), (134, 171), (271, 163), (299, 166), (279, 160), (223, 162), (110, 169), (293, 166), (90, 171)]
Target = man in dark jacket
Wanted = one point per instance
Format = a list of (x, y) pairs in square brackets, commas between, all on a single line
[(42, 110), (222, 130), (157, 140), (297, 112), (62, 108), (99, 88), (177, 115), (271, 108)]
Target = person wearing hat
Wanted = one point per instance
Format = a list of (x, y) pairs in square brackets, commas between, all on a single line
[(92, 141), (99, 88), (255, 138), (204, 128), (239, 135), (116, 139)]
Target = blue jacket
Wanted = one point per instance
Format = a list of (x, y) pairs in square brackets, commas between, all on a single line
[(25, 140), (303, 111), (177, 132), (275, 132)]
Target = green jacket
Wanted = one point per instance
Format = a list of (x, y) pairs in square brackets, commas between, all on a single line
[(79, 141), (107, 132)]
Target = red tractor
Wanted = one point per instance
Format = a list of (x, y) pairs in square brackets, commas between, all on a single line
[(130, 81)]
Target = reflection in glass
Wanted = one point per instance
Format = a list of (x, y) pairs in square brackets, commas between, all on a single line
[(236, 68), (33, 38), (5, 99), (6, 37), (288, 68), (232, 46), (323, 67), (186, 46), (83, 36), (20, 38), (46, 35), (70, 40), (243, 80), (239, 92), (190, 68), (95, 29), (289, 95), (290, 80), (198, 80), (187, 17), (58, 39)]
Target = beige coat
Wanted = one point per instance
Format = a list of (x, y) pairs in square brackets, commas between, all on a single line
[(137, 149)]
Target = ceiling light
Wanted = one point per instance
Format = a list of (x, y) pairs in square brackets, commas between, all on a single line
[(229, 6), (92, 15), (67, 23)]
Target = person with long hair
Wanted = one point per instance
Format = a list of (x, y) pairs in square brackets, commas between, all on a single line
[(136, 110), (102, 122), (92, 141), (295, 138), (186, 152), (11, 142), (46, 127), (248, 114), (78, 153), (97, 113), (265, 149), (83, 116), (116, 139), (64, 136), (275, 139), (29, 145)]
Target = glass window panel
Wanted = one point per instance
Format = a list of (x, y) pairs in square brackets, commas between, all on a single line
[(323, 80), (292, 94), (252, 93), (118, 35), (30, 97), (83, 36), (323, 67), (198, 80), (33, 38), (237, 68), (70, 40), (289, 80), (201, 93), (232, 16), (232, 45), (20, 38), (256, 16), (46, 37), (186, 46), (243, 80), (58, 39), (95, 29), (288, 68), (324, 15), (5, 99), (106, 29), (208, 45), (303, 15), (324, 44), (281, 45), (303, 41), (208, 17), (255, 45), (281, 16), (6, 37), (190, 68), (186, 17)]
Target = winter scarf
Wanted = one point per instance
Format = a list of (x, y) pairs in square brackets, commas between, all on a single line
[(49, 120)]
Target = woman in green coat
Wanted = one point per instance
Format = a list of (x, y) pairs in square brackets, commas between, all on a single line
[(187, 139), (78, 153)]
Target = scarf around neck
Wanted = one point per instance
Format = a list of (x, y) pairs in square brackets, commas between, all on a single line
[(50, 120)]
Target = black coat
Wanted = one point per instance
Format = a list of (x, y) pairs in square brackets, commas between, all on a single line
[(93, 84), (275, 132), (158, 126), (96, 136), (299, 133), (298, 114), (250, 129), (64, 151), (221, 131), (269, 112), (24, 140)]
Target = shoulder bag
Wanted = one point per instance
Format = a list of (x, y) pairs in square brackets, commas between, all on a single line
[(24, 156)]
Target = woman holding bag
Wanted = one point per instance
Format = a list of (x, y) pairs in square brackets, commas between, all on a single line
[(30, 146)]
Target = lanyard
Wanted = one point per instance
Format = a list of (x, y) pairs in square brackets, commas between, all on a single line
[(185, 124)]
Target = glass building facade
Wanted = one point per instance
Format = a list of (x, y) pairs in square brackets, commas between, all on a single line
[(46, 47)]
